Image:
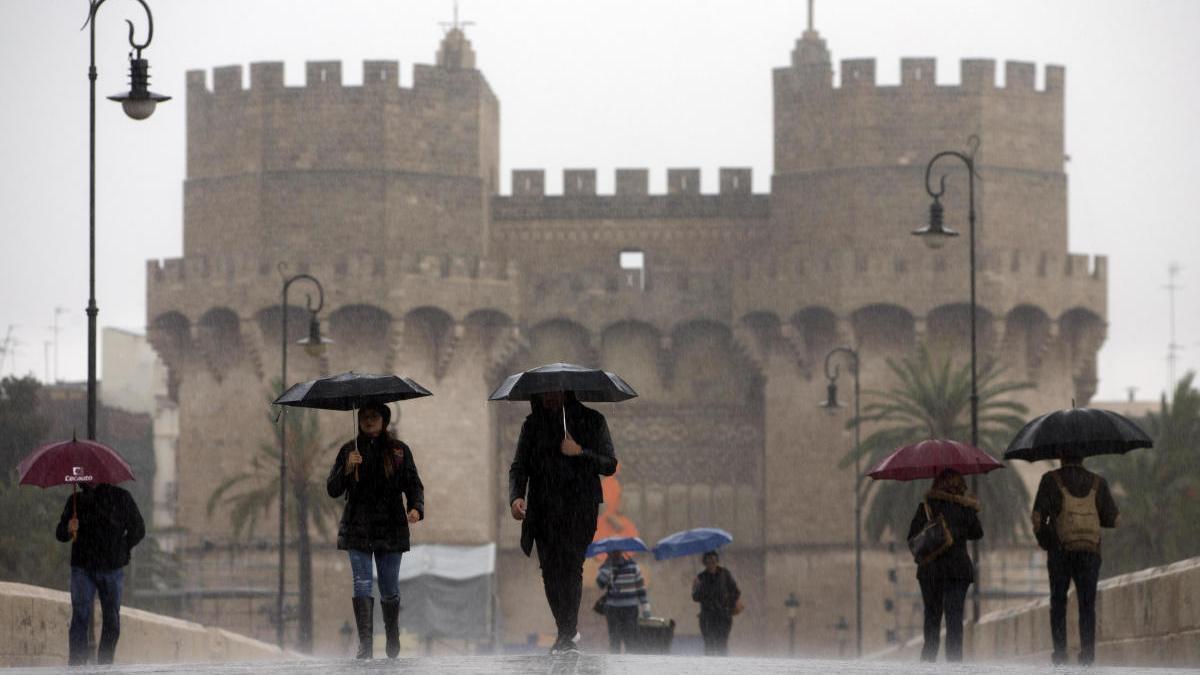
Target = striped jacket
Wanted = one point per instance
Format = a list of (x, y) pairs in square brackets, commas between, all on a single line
[(623, 584)]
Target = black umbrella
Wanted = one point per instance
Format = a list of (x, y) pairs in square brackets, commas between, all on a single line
[(1083, 431), (588, 384), (350, 391)]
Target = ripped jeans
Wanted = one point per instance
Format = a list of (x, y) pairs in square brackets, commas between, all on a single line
[(388, 567)]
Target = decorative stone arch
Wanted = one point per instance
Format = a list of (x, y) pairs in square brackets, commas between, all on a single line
[(635, 350), (948, 329), (219, 340), (171, 336), (361, 336), (757, 333), (1082, 332), (428, 338), (270, 324), (557, 340), (883, 329), (708, 367), (1027, 335), (492, 337), (812, 332)]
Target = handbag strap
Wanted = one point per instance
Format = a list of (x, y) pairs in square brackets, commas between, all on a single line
[(928, 512)]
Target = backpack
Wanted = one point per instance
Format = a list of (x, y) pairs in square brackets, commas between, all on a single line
[(1078, 521)]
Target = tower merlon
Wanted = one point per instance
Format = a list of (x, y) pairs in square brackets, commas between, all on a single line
[(918, 72), (858, 73), (683, 181), (323, 73), (579, 182), (381, 73), (1019, 75), (528, 182), (266, 75), (632, 182), (227, 79), (736, 181), (977, 74), (318, 75)]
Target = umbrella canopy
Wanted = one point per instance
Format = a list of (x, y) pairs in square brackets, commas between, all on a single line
[(691, 542), (350, 391), (930, 457), (613, 544), (588, 384), (71, 462), (1083, 431)]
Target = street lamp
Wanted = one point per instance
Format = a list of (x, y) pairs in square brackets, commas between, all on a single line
[(314, 345), (793, 604), (831, 405), (138, 103), (935, 235)]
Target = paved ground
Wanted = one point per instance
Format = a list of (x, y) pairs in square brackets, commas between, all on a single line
[(591, 664)]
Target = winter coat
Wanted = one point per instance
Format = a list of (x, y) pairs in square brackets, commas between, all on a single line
[(110, 525), (375, 517), (553, 485), (716, 592), (962, 517), (1048, 502)]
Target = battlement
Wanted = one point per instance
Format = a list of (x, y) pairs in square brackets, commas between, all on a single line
[(632, 198), (531, 183), (252, 269), (319, 76), (975, 75)]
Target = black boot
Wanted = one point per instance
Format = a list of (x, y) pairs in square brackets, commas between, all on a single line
[(364, 610), (391, 625)]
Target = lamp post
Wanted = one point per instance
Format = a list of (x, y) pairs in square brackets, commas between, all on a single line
[(793, 604), (314, 345), (935, 235), (139, 103), (831, 404)]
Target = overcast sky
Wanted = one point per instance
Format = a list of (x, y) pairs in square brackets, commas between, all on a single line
[(597, 83)]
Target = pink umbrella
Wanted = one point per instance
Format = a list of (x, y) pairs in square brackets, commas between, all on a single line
[(73, 462), (929, 458)]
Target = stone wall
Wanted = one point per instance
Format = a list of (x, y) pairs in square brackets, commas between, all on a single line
[(34, 622), (1146, 618)]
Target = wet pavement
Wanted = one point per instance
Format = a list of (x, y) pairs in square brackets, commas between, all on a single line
[(592, 664)]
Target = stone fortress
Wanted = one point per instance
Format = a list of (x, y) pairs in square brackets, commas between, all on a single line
[(389, 195)]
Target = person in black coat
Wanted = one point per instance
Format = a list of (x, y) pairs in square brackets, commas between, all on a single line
[(378, 477), (554, 489), (945, 579), (718, 595), (104, 524)]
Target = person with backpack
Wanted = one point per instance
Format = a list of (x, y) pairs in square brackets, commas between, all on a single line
[(945, 574), (1071, 506)]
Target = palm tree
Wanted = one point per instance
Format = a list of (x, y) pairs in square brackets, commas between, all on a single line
[(1157, 489), (933, 400), (252, 494)]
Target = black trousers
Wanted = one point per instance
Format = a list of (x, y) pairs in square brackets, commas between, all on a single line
[(622, 628), (1083, 568), (943, 597), (561, 545), (714, 628)]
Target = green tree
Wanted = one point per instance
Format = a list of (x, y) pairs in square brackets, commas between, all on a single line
[(933, 400), (29, 553), (252, 494), (1158, 489), (22, 426)]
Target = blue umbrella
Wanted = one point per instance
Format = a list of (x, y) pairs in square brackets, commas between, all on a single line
[(691, 542), (612, 544)]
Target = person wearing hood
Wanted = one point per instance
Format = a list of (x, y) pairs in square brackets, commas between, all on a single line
[(554, 490), (944, 579), (383, 491), (103, 524)]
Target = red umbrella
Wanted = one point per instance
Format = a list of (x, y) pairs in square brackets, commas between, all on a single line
[(73, 462), (929, 458)]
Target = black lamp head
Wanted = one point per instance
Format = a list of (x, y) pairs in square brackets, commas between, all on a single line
[(935, 233), (139, 102)]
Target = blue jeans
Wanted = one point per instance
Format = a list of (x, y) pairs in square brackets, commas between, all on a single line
[(85, 584), (388, 566)]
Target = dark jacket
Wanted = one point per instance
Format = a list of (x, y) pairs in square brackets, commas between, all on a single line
[(551, 483), (375, 517), (110, 525), (962, 517), (1048, 502), (716, 592)]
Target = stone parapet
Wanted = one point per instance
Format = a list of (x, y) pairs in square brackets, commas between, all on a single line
[(33, 632)]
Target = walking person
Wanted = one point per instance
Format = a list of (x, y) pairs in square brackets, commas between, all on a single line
[(945, 579), (624, 593), (383, 492), (1071, 506), (554, 489), (104, 524), (720, 599)]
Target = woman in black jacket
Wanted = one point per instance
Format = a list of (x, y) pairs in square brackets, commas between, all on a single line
[(374, 471), (944, 580)]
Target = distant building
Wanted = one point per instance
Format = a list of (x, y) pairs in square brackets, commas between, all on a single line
[(719, 308)]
